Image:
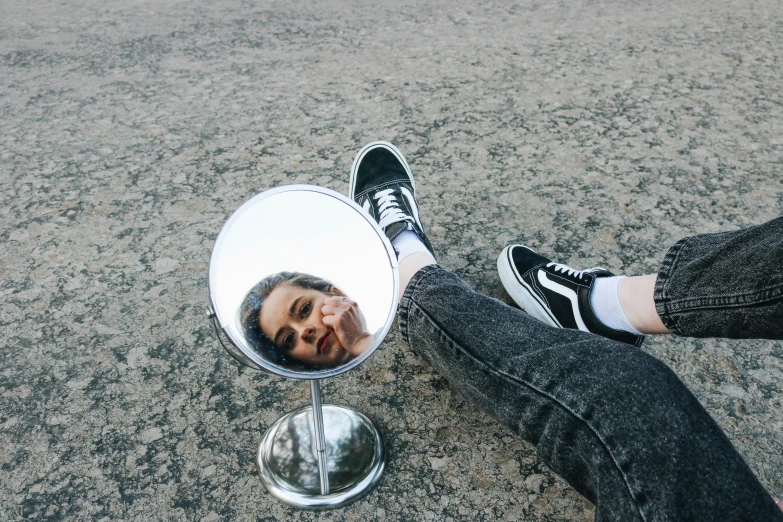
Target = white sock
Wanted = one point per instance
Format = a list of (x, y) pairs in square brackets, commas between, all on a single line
[(409, 243), (607, 307)]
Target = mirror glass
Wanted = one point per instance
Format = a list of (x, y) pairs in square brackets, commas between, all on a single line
[(303, 282)]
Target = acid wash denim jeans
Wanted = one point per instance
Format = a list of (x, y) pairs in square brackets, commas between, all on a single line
[(613, 421)]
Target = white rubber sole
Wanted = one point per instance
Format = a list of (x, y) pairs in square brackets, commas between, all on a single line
[(520, 292), (367, 148)]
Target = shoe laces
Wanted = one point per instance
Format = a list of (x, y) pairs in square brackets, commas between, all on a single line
[(579, 274), (389, 209)]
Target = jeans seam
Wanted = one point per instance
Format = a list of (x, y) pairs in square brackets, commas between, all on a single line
[(557, 402)]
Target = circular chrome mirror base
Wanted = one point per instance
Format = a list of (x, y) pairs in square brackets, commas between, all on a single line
[(288, 462)]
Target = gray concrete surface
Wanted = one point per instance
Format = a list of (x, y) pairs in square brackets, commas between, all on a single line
[(598, 132)]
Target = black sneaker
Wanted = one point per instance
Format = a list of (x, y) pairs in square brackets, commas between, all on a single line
[(382, 184), (555, 294)]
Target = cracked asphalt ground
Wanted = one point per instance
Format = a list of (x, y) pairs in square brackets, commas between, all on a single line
[(598, 132)]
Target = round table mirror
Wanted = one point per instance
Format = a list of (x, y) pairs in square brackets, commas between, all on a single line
[(304, 284)]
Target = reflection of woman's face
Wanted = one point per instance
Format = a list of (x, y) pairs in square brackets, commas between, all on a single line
[(291, 317)]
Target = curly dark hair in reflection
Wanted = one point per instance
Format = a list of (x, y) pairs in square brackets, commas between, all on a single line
[(251, 308)]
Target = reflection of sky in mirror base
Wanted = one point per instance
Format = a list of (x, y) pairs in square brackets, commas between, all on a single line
[(307, 232)]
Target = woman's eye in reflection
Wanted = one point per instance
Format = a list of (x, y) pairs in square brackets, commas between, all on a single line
[(306, 309), (288, 342)]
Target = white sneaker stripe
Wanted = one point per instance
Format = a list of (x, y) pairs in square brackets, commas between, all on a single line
[(565, 292), (411, 204), (543, 306)]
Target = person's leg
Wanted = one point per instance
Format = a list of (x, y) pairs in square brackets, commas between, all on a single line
[(712, 285), (616, 423), (409, 265), (724, 285), (635, 295)]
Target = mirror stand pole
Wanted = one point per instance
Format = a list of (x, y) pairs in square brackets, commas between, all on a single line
[(320, 440)]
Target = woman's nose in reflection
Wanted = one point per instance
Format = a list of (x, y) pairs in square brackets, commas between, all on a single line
[(308, 332)]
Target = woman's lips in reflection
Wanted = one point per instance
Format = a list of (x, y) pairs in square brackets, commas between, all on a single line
[(322, 343)]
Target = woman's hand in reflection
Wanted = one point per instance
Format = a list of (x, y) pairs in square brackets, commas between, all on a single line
[(344, 317)]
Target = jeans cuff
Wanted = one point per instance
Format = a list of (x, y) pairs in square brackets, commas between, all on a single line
[(407, 297), (661, 293)]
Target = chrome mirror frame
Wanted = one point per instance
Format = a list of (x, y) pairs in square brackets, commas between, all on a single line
[(238, 347)]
